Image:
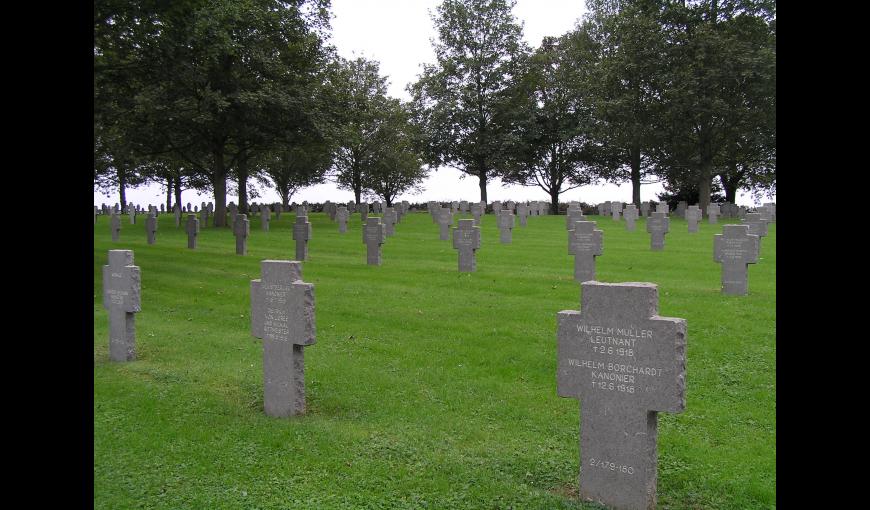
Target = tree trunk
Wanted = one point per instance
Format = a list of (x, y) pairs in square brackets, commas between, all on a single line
[(177, 189), (356, 195), (482, 176), (122, 188), (243, 184), (705, 181), (219, 182), (634, 154), (168, 194), (730, 185), (285, 196), (554, 201)]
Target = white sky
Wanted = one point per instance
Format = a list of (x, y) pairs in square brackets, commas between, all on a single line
[(397, 34)]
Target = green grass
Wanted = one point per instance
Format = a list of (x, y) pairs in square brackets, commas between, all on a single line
[(427, 388)]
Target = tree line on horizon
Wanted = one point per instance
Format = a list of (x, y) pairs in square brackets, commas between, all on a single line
[(213, 95)]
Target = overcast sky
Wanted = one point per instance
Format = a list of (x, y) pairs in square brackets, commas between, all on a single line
[(397, 34)]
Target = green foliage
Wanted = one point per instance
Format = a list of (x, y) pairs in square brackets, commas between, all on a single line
[(426, 388), (461, 102)]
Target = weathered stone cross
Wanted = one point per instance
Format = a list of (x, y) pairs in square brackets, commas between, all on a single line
[(585, 243), (242, 229), (192, 229), (466, 239), (444, 216), (630, 215), (115, 226), (390, 220), (342, 216), (693, 217), (505, 226), (625, 364), (374, 235), (757, 226), (121, 297), (282, 314), (735, 248), (151, 228), (301, 234), (658, 225)]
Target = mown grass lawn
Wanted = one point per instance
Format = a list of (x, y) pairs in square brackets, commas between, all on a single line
[(427, 388)]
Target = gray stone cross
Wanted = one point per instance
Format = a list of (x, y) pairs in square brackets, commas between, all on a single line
[(192, 229), (757, 226), (625, 364), (713, 213), (363, 211), (522, 214), (374, 235), (735, 248), (476, 211), (389, 220), (342, 216), (630, 215), (616, 210), (585, 242), (265, 217), (505, 227), (644, 208), (121, 297), (574, 213), (203, 216), (693, 217), (301, 234), (242, 229), (151, 228), (131, 211), (658, 225), (177, 212), (662, 207), (466, 239), (115, 226), (444, 216), (282, 314)]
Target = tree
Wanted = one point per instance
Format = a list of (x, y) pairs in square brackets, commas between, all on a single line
[(460, 102), (397, 168), (552, 148), (360, 97), (296, 167)]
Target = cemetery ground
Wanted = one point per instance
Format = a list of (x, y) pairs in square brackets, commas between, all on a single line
[(426, 388)]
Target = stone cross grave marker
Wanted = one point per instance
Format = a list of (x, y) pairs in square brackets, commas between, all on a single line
[(496, 207), (463, 206), (505, 227), (151, 228), (693, 217), (363, 211), (203, 216), (177, 213), (278, 210), (681, 209), (735, 248), (466, 239), (658, 224), (585, 242), (115, 226), (374, 235), (192, 229), (301, 234), (630, 215), (265, 217), (131, 211), (644, 208), (662, 207), (475, 213), (445, 219), (713, 214), (282, 314), (574, 213), (342, 215), (522, 214), (625, 364), (757, 226), (616, 210), (242, 229), (121, 297), (389, 220)]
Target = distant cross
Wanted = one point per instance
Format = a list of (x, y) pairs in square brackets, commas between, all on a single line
[(301, 234), (242, 229), (445, 218), (454, 207), (265, 217), (522, 214), (466, 239), (757, 226), (713, 213), (658, 225), (681, 209), (203, 216), (115, 226), (693, 217), (374, 235), (342, 216), (278, 211), (151, 228), (662, 208), (625, 364), (390, 220), (630, 215), (505, 227), (188, 207), (735, 248), (585, 243), (234, 211), (131, 211), (496, 207), (574, 213), (463, 206), (644, 209), (192, 229), (177, 211), (121, 297), (616, 210), (475, 213), (363, 211), (282, 314), (162, 208)]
